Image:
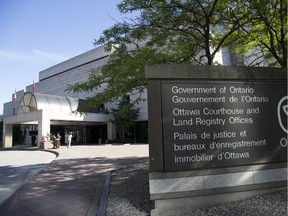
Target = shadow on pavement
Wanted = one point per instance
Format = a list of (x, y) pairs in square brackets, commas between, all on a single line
[(66, 187), (12, 178)]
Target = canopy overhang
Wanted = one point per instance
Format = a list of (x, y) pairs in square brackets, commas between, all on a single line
[(45, 110)]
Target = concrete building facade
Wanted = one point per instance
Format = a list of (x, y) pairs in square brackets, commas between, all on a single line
[(54, 108), (51, 109)]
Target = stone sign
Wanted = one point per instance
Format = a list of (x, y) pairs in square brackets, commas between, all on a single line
[(211, 117), (214, 124), (216, 133)]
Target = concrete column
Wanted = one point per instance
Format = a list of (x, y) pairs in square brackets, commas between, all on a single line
[(111, 132), (43, 126), (7, 135)]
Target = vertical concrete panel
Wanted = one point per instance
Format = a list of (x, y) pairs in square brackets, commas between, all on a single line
[(111, 132), (43, 126), (155, 126), (7, 135)]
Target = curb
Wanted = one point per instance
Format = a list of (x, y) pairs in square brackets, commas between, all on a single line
[(104, 196), (94, 205), (99, 201)]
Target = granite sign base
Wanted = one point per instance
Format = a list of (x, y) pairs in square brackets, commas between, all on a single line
[(180, 192)]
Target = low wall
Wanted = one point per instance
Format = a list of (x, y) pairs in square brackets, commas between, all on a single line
[(175, 192)]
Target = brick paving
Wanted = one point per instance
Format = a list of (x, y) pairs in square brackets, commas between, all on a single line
[(67, 187)]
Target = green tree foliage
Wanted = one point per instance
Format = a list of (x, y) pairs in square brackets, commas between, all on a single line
[(186, 31), (263, 32), (183, 31), (124, 117)]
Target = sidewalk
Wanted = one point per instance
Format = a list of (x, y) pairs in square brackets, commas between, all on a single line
[(18, 166), (73, 181)]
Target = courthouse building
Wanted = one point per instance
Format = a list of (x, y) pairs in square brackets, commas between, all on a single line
[(46, 108), (50, 109)]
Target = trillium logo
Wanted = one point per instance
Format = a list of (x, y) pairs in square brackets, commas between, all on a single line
[(282, 112)]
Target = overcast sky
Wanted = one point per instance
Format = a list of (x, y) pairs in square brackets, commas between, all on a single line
[(37, 34)]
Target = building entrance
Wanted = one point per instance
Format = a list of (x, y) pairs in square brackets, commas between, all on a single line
[(82, 135), (97, 134)]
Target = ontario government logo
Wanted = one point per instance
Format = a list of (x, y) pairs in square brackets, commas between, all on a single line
[(282, 112)]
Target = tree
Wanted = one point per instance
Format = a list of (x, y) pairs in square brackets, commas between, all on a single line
[(124, 117), (187, 30), (181, 31), (164, 32), (263, 33)]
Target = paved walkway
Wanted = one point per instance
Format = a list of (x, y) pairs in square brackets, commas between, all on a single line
[(73, 181), (18, 167)]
